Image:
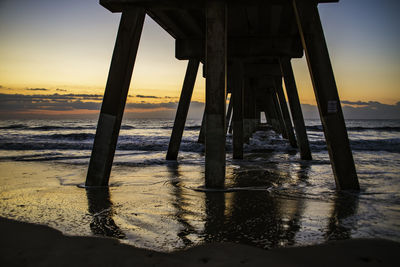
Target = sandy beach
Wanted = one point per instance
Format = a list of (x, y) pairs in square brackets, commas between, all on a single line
[(24, 244), (278, 210)]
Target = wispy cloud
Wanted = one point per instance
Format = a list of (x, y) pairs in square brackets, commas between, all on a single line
[(147, 96), (61, 90), (153, 97), (37, 89)]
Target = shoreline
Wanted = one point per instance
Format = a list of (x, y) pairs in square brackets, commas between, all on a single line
[(23, 244)]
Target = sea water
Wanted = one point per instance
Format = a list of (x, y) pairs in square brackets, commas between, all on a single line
[(273, 199)]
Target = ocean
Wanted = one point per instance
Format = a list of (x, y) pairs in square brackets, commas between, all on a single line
[(273, 199)]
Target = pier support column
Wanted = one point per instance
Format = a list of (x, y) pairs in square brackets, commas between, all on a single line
[(112, 109), (270, 109), (183, 108), (285, 112), (231, 126), (229, 113), (295, 109), (246, 110), (202, 132), (267, 115), (237, 90), (278, 113), (326, 94), (215, 136), (253, 107)]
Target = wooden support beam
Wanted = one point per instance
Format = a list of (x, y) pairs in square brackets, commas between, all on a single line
[(117, 87), (183, 108), (295, 109), (119, 5), (216, 59), (326, 94), (237, 120), (243, 47), (285, 112), (261, 70), (168, 23)]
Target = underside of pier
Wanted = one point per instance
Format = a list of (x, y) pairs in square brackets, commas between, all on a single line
[(246, 47)]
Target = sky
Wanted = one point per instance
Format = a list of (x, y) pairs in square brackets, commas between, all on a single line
[(55, 56)]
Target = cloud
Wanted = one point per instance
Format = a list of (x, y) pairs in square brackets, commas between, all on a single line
[(1, 86), (141, 105), (61, 90), (153, 96), (146, 96), (18, 104), (54, 102), (370, 110), (37, 89), (359, 110), (357, 103)]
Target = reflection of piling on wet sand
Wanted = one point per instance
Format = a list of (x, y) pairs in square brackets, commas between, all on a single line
[(25, 244), (246, 49), (100, 207)]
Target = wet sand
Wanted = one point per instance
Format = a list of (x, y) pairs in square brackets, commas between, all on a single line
[(24, 244), (156, 207)]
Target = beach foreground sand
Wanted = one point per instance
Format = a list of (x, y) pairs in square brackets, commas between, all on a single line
[(23, 244)]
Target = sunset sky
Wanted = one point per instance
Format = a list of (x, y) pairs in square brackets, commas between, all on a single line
[(55, 56)]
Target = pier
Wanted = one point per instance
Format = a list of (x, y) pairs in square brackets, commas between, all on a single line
[(245, 47)]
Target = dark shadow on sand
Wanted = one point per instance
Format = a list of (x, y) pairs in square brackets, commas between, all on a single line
[(100, 207), (342, 221)]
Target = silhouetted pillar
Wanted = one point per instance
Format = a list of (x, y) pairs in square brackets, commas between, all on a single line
[(215, 93), (253, 107), (295, 108), (229, 113), (270, 110), (278, 113), (112, 109), (202, 129), (267, 116), (237, 120), (285, 112), (183, 108), (246, 110), (326, 94)]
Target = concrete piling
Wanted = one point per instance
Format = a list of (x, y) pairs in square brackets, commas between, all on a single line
[(237, 89), (285, 112), (295, 109), (112, 109), (216, 41), (183, 108), (326, 94), (229, 113), (278, 113)]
